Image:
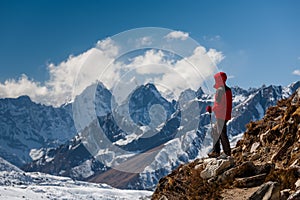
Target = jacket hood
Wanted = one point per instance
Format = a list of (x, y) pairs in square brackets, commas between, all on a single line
[(220, 79)]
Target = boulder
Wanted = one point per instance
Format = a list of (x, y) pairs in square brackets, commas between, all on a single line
[(297, 184), (251, 181), (284, 194), (267, 191), (295, 196), (254, 147), (215, 167)]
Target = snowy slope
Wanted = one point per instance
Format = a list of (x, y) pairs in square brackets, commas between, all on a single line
[(58, 188), (16, 184), (26, 125)]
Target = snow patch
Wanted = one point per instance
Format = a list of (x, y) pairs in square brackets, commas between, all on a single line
[(36, 154), (128, 139), (84, 170), (239, 98)]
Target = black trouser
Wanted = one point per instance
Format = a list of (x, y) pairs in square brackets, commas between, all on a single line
[(221, 134)]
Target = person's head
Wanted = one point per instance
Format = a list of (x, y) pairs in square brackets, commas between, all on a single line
[(220, 79)]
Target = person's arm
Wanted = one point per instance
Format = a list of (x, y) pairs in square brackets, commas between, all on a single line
[(219, 93)]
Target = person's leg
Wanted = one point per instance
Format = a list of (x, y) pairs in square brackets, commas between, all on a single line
[(224, 138), (216, 142), (217, 148)]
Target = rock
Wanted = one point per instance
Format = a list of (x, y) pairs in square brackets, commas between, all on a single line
[(295, 196), (215, 167), (296, 97), (267, 149), (245, 170), (264, 168), (245, 154), (263, 137), (236, 150), (254, 147), (267, 191), (295, 164), (283, 149), (163, 197), (255, 156), (199, 166), (297, 184), (251, 181), (226, 177), (284, 194)]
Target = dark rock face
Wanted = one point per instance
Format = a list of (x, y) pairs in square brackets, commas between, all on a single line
[(142, 99), (65, 161)]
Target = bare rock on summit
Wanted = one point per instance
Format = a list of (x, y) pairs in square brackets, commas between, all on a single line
[(266, 163)]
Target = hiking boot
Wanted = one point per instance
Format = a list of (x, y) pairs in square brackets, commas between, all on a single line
[(213, 154), (223, 156)]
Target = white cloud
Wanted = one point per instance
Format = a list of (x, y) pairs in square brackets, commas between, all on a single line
[(97, 64), (193, 71), (296, 72), (215, 56), (59, 89), (23, 86), (150, 57), (178, 75), (107, 47), (177, 35)]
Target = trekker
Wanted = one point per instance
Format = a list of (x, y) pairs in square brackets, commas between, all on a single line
[(222, 108)]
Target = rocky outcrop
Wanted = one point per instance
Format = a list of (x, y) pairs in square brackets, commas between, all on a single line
[(265, 162)]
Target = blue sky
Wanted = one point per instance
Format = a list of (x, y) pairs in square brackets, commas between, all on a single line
[(259, 39)]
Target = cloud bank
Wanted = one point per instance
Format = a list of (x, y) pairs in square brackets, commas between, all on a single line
[(99, 66)]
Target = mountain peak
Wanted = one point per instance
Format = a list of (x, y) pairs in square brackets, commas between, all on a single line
[(141, 101)]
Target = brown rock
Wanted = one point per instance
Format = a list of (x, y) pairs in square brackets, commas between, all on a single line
[(251, 181), (284, 194), (295, 196), (268, 191)]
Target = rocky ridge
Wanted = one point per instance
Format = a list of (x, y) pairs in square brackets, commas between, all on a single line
[(265, 163)]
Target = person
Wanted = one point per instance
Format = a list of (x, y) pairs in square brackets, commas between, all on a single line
[(222, 109)]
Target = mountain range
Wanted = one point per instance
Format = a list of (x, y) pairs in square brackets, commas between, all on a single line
[(43, 138)]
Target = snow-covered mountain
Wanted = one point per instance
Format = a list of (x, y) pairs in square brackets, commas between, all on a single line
[(73, 160), (26, 127), (16, 184), (251, 105), (144, 121)]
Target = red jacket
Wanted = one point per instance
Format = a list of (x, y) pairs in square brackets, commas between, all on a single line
[(223, 97)]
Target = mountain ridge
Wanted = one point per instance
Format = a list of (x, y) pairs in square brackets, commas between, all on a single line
[(192, 142)]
